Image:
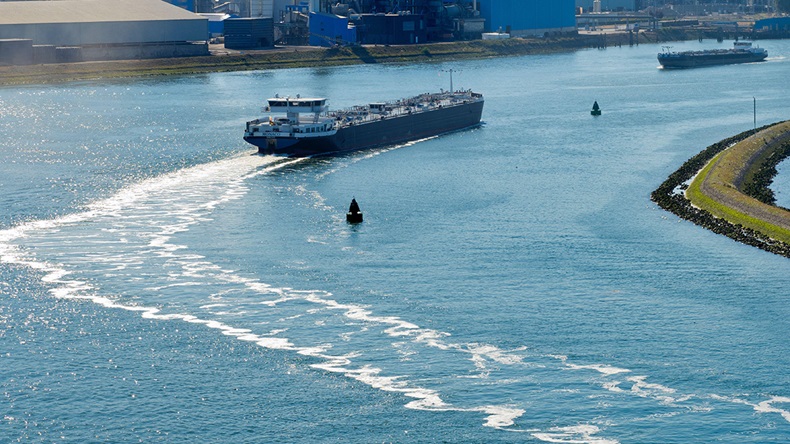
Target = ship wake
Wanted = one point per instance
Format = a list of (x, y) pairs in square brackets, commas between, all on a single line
[(124, 253)]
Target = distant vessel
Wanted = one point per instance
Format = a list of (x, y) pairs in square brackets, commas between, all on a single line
[(366, 126), (741, 52)]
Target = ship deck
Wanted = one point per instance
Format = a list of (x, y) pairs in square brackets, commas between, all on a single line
[(384, 110)]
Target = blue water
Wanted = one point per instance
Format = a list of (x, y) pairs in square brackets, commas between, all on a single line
[(160, 282)]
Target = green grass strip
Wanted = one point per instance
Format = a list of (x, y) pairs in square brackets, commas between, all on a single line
[(701, 200), (725, 170)]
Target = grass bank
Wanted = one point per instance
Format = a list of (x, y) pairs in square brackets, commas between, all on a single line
[(729, 192), (720, 208), (316, 57), (720, 186)]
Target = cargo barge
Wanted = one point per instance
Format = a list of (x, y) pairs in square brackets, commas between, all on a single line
[(308, 128), (742, 52)]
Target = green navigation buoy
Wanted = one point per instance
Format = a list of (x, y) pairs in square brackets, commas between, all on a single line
[(596, 111), (354, 215)]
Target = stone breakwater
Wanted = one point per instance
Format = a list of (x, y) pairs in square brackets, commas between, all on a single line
[(747, 193)]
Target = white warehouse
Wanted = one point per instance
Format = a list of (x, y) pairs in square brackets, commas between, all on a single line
[(75, 30)]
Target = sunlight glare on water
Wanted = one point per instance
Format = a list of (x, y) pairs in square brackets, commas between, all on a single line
[(510, 283)]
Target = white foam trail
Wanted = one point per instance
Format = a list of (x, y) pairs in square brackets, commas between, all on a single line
[(506, 357), (426, 399), (613, 386), (500, 417), (607, 370), (601, 368), (581, 434), (369, 154), (768, 406), (166, 192), (166, 195), (761, 407), (662, 393), (643, 389), (126, 197)]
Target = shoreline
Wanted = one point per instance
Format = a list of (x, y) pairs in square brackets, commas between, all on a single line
[(745, 223), (315, 57), (724, 188)]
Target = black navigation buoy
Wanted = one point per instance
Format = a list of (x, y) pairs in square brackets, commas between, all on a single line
[(596, 111), (354, 215)]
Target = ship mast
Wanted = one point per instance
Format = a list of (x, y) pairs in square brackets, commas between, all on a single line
[(451, 71)]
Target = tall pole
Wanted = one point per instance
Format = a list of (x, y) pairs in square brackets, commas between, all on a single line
[(451, 70), (755, 112)]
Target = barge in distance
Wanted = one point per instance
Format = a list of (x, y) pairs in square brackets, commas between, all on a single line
[(741, 52), (324, 132)]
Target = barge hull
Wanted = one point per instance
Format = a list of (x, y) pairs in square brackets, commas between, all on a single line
[(694, 61), (384, 132)]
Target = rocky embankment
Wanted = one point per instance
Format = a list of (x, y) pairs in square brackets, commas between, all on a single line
[(736, 188)]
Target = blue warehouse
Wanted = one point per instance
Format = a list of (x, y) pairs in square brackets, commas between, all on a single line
[(529, 17)]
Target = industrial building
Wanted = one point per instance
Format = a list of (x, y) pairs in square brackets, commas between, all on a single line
[(523, 18), (681, 7), (608, 5), (89, 30), (410, 21), (389, 22), (331, 29), (773, 24), (238, 8), (216, 23), (249, 33), (392, 29), (189, 5), (418, 21)]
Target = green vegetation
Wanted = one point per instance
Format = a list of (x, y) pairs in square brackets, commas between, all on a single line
[(726, 176), (722, 175), (758, 182), (701, 200), (304, 58)]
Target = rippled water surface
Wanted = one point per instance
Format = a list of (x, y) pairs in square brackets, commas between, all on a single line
[(159, 281)]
